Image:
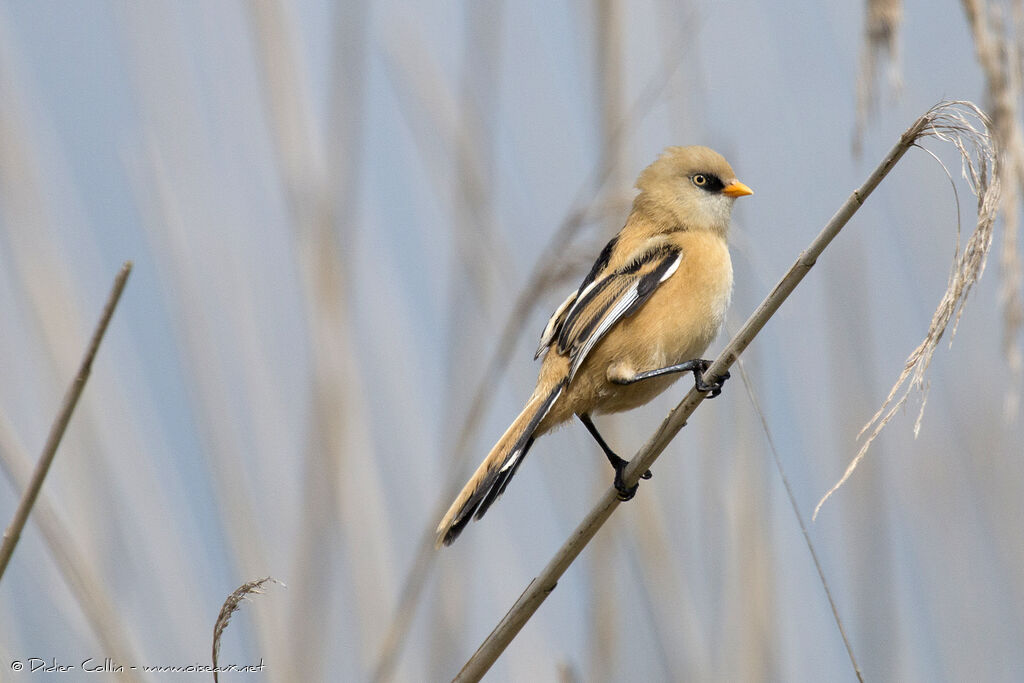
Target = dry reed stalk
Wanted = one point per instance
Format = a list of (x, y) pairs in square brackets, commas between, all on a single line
[(881, 47), (870, 567), (43, 276), (476, 241), (171, 180), (319, 173), (28, 499), (481, 263), (682, 645), (752, 608), (441, 121), (946, 121), (445, 129), (998, 51), (231, 605), (791, 498), (605, 615), (79, 573), (168, 231), (72, 561)]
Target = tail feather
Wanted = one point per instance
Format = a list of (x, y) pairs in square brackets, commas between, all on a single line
[(497, 469), (505, 475), (477, 505)]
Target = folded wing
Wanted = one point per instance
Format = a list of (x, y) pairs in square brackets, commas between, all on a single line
[(589, 313)]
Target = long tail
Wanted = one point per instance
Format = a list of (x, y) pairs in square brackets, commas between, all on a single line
[(495, 472)]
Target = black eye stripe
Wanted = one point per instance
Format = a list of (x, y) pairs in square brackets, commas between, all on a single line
[(707, 181)]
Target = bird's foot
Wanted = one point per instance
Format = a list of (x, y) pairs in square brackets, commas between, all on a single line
[(617, 463), (715, 388), (625, 492)]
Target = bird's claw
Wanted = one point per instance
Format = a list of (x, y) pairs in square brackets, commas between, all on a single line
[(627, 492), (715, 388)]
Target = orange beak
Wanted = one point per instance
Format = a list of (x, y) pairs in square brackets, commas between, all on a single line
[(736, 189)]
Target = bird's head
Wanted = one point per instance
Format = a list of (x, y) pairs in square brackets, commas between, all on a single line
[(695, 184)]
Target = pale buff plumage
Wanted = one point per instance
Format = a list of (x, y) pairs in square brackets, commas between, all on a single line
[(670, 272)]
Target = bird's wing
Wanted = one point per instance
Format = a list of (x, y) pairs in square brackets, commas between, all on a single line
[(599, 305), (554, 326)]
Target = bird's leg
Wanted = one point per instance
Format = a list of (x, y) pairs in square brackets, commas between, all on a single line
[(697, 366), (618, 464)]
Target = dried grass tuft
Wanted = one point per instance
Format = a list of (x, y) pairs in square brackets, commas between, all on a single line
[(231, 605), (968, 129)]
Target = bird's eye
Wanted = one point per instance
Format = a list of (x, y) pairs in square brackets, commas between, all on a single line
[(700, 180)]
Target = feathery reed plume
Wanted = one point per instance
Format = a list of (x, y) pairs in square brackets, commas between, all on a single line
[(952, 123), (231, 605)]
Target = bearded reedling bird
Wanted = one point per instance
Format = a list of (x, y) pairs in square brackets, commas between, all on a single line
[(652, 303)]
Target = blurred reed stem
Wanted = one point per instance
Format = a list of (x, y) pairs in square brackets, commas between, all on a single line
[(998, 50), (548, 272), (605, 616), (320, 176)]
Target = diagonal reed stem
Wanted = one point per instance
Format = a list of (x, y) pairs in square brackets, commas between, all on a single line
[(545, 582), (28, 499)]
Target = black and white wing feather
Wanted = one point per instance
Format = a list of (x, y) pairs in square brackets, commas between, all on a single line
[(601, 301), (558, 317)]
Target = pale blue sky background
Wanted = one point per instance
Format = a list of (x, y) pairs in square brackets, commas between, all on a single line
[(143, 131)]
